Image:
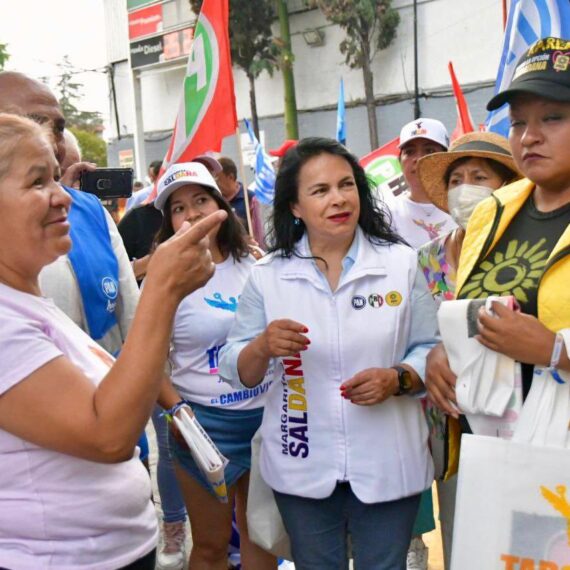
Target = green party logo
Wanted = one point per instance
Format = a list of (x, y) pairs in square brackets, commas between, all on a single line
[(201, 75)]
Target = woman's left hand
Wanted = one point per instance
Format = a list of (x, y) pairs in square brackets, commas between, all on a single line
[(371, 386), (522, 337)]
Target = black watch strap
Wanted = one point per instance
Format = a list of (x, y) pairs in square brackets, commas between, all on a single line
[(404, 380)]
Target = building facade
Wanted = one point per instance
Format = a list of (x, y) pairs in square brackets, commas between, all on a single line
[(148, 42)]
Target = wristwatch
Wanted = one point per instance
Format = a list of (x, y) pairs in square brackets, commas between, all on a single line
[(404, 380)]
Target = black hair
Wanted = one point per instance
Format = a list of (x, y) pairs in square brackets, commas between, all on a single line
[(506, 174), (229, 167), (373, 220), (231, 238), (155, 166)]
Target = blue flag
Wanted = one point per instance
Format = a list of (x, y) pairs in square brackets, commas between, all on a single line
[(529, 21), (341, 116), (264, 172)]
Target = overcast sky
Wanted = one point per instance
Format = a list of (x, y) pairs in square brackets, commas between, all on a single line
[(39, 33)]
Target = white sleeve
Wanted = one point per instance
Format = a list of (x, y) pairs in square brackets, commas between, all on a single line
[(128, 288)]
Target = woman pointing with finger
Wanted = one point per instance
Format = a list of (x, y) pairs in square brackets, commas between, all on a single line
[(342, 313)]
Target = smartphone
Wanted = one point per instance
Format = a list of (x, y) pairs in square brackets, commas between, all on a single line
[(107, 183)]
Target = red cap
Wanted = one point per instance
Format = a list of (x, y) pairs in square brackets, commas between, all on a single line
[(289, 143)]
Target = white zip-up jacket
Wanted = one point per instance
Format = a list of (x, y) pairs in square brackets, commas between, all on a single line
[(380, 315)]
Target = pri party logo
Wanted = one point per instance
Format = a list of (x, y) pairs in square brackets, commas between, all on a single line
[(202, 75)]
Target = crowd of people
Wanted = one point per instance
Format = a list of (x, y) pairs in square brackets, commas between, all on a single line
[(325, 344)]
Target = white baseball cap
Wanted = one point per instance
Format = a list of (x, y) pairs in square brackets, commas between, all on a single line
[(179, 175), (430, 129)]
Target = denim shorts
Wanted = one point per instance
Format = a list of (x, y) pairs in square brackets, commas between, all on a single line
[(232, 431)]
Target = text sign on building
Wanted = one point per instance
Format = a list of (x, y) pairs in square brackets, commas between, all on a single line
[(146, 52), (161, 48), (134, 4), (178, 44), (145, 22), (126, 158)]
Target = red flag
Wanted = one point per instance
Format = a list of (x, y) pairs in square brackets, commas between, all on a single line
[(207, 110), (389, 149), (464, 121)]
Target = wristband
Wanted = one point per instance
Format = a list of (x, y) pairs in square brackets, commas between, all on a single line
[(171, 412), (555, 358)]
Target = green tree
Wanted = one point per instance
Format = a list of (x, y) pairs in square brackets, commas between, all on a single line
[(286, 63), (69, 95), (252, 47), (93, 147), (4, 55), (370, 26)]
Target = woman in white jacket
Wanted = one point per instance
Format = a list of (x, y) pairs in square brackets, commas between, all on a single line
[(342, 312)]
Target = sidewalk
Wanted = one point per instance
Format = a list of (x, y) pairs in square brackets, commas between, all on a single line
[(433, 539)]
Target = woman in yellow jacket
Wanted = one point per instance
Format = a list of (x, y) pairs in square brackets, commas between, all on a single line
[(518, 240)]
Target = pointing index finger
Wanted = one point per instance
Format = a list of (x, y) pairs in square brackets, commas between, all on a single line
[(193, 234)]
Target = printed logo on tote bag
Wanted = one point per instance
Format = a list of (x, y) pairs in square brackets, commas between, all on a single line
[(550, 538)]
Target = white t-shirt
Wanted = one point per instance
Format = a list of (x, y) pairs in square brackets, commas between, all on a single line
[(58, 511), (417, 222), (201, 327)]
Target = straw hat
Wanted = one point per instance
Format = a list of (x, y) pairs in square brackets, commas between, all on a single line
[(432, 168)]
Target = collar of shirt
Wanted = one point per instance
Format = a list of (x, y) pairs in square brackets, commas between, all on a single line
[(347, 262)]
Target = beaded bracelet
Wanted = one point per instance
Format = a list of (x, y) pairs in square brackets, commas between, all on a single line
[(171, 412)]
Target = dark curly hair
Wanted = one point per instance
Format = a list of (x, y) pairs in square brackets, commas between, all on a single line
[(231, 238), (374, 221)]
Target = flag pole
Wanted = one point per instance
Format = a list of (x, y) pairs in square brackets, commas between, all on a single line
[(242, 174)]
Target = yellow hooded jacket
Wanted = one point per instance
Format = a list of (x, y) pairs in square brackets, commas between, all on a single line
[(486, 226)]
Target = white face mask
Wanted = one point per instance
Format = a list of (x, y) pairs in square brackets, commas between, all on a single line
[(462, 200)]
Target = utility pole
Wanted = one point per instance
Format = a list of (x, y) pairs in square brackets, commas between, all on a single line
[(291, 124), (417, 110), (111, 72)]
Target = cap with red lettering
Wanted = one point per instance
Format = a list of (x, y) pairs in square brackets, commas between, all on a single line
[(430, 129), (179, 175), (543, 70)]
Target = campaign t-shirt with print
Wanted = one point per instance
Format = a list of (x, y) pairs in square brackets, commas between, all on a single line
[(201, 327), (418, 222), (517, 262), (59, 511)]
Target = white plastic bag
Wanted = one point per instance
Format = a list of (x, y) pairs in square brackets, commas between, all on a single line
[(264, 522), (489, 388), (513, 497)]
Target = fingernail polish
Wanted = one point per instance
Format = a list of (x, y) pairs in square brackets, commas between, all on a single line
[(305, 330)]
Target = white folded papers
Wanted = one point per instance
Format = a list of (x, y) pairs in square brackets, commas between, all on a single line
[(204, 452)]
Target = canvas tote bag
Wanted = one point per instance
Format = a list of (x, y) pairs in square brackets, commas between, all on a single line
[(513, 497), (264, 522)]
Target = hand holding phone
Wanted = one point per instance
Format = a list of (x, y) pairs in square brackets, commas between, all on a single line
[(107, 183)]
